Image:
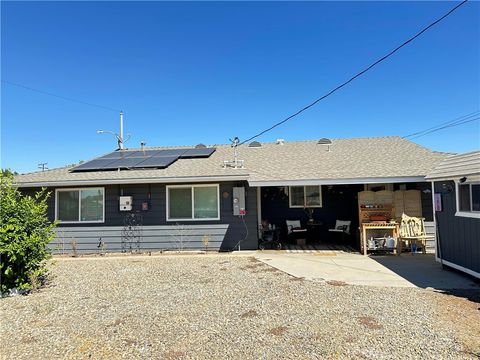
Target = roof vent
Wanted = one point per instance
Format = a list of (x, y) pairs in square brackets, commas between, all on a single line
[(280, 141), (254, 144), (200, 146), (324, 141)]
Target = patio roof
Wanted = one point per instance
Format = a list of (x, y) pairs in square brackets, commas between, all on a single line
[(456, 166)]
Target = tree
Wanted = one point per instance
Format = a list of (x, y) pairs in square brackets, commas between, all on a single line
[(25, 232)]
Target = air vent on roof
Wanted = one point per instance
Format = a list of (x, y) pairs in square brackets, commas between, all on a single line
[(324, 141), (200, 146), (280, 141), (254, 144)]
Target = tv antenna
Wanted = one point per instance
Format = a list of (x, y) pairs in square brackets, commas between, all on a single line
[(235, 163), (43, 166)]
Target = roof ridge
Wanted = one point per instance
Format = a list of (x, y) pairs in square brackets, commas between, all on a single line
[(47, 170)]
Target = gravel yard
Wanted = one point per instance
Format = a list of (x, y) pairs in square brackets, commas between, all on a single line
[(227, 306)]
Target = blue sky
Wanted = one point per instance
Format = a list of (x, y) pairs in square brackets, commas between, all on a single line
[(186, 73)]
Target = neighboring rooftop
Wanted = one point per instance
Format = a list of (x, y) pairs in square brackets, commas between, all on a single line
[(342, 161), (456, 166)]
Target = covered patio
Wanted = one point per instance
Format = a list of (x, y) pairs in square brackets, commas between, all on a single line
[(334, 216)]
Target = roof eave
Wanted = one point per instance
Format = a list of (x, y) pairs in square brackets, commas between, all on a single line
[(96, 182), (454, 177), (349, 181)]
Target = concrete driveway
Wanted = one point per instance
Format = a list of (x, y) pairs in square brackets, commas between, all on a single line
[(354, 269)]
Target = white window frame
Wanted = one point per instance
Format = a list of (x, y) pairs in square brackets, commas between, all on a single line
[(471, 213), (168, 187), (304, 197), (79, 221)]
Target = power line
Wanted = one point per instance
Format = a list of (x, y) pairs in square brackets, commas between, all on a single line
[(446, 126), (357, 75), (456, 120), (60, 97)]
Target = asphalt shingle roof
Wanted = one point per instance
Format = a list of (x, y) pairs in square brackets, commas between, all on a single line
[(381, 157), (457, 166)]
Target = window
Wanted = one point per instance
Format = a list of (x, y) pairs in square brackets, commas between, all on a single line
[(195, 202), (80, 205), (305, 196), (469, 198)]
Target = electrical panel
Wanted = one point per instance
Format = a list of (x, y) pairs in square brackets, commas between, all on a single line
[(126, 203), (239, 201)]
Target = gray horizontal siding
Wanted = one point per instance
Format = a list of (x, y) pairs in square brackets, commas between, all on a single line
[(459, 237), (150, 238), (155, 227)]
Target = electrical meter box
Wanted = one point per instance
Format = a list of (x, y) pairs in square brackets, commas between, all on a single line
[(239, 201), (126, 203)]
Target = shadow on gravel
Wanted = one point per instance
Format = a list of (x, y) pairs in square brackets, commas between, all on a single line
[(472, 295)]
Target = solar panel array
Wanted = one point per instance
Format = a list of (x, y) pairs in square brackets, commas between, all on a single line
[(142, 159)]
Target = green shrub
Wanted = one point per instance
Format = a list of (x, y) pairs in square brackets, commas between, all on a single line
[(25, 232)]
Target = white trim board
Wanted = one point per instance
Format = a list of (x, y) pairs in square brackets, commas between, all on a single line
[(473, 214), (458, 267), (470, 177), (375, 180), (144, 227), (220, 178), (102, 182)]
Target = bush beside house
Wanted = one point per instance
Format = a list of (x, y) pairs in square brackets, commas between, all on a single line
[(25, 232)]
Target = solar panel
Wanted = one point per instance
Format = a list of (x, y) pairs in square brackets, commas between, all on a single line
[(157, 162), (197, 153), (96, 164), (128, 153), (169, 152), (121, 154), (112, 155), (128, 162), (137, 159)]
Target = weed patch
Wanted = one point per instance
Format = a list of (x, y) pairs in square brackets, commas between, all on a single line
[(279, 330), (370, 322), (249, 314), (336, 283)]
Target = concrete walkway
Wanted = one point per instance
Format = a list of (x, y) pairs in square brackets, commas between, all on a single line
[(354, 269)]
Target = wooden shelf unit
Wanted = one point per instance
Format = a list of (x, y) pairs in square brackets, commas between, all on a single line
[(383, 202)]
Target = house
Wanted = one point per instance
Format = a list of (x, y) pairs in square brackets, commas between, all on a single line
[(218, 196), (456, 183)]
